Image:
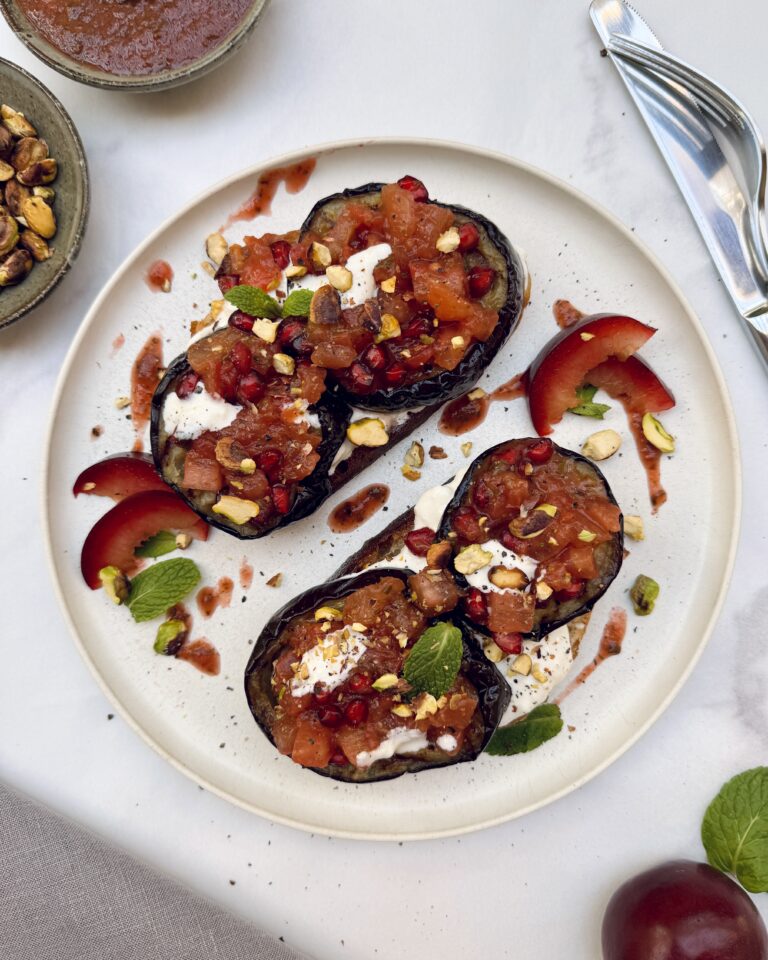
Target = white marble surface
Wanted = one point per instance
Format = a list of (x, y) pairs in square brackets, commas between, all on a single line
[(525, 78)]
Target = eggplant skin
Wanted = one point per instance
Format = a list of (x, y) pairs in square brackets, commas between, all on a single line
[(609, 555), (448, 384), (334, 416), (491, 687)]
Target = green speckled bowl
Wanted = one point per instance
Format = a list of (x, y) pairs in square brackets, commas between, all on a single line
[(23, 92), (84, 73)]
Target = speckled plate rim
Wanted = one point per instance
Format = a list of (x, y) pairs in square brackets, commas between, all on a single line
[(69, 68), (79, 228), (731, 456)]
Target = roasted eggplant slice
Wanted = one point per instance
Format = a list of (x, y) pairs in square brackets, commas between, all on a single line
[(325, 685), (428, 293), (247, 446), (538, 538)]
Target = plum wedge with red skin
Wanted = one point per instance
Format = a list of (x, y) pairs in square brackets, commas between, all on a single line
[(119, 476), (633, 384), (114, 537), (563, 364)]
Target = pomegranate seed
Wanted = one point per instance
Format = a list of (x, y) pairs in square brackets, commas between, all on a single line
[(395, 374), (480, 281), (228, 378), (240, 355), (187, 384), (338, 759), (227, 281), (414, 186), (511, 643), (330, 717), (476, 605), (375, 357), (356, 712), (322, 695), (570, 593), (289, 331), (281, 497), (418, 327), (481, 495), (241, 321), (250, 388), (359, 239), (361, 376), (469, 237), (466, 523), (270, 462), (513, 543), (281, 253), (419, 541), (359, 683), (540, 452)]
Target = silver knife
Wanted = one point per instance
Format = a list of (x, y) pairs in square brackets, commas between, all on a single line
[(699, 166)]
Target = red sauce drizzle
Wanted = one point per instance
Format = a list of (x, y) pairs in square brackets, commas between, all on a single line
[(117, 344), (566, 314), (209, 599), (201, 654), (159, 276), (352, 513), (259, 203), (650, 458), (467, 411), (144, 379), (246, 574), (610, 646)]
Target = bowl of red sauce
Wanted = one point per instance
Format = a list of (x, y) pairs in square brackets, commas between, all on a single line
[(139, 45)]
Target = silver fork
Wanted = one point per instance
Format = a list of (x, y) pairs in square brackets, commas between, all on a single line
[(727, 112)]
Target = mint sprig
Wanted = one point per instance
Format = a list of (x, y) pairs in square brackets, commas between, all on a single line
[(435, 659), (735, 829), (160, 586), (540, 725), (297, 303), (585, 407), (253, 301), (162, 543)]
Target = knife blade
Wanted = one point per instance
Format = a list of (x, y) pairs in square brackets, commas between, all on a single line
[(699, 166)]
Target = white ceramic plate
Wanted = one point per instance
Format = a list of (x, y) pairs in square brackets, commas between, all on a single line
[(202, 724)]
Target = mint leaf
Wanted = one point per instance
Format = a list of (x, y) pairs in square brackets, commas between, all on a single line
[(297, 303), (160, 586), (163, 542), (540, 725), (596, 410), (435, 659), (735, 829), (253, 301), (585, 408)]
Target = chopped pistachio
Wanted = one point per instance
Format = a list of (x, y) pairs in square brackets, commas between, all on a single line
[(644, 593), (216, 247), (115, 583), (390, 327), (521, 664), (267, 330), (601, 445), (388, 285), (466, 448), (633, 527), (385, 682), (414, 456), (493, 652), (166, 634), (328, 613), (508, 578), (320, 255), (402, 710), (368, 432), (284, 364), (339, 277), (471, 559), (409, 473), (236, 509), (543, 590), (295, 270), (587, 536), (655, 434)]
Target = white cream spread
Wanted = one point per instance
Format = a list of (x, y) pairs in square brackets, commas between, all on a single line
[(361, 266), (552, 657), (329, 662), (501, 557), (390, 421), (447, 742), (187, 417), (401, 740), (219, 323)]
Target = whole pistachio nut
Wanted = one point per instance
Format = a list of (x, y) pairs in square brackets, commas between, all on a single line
[(35, 245), (39, 172), (644, 593), (9, 234), (15, 267), (16, 122), (15, 194), (39, 216), (47, 193), (28, 150), (6, 171)]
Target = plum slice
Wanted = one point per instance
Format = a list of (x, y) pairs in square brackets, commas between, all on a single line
[(633, 384), (565, 361), (119, 476), (115, 536)]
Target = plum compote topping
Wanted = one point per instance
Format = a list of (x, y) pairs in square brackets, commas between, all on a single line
[(528, 501), (362, 697)]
